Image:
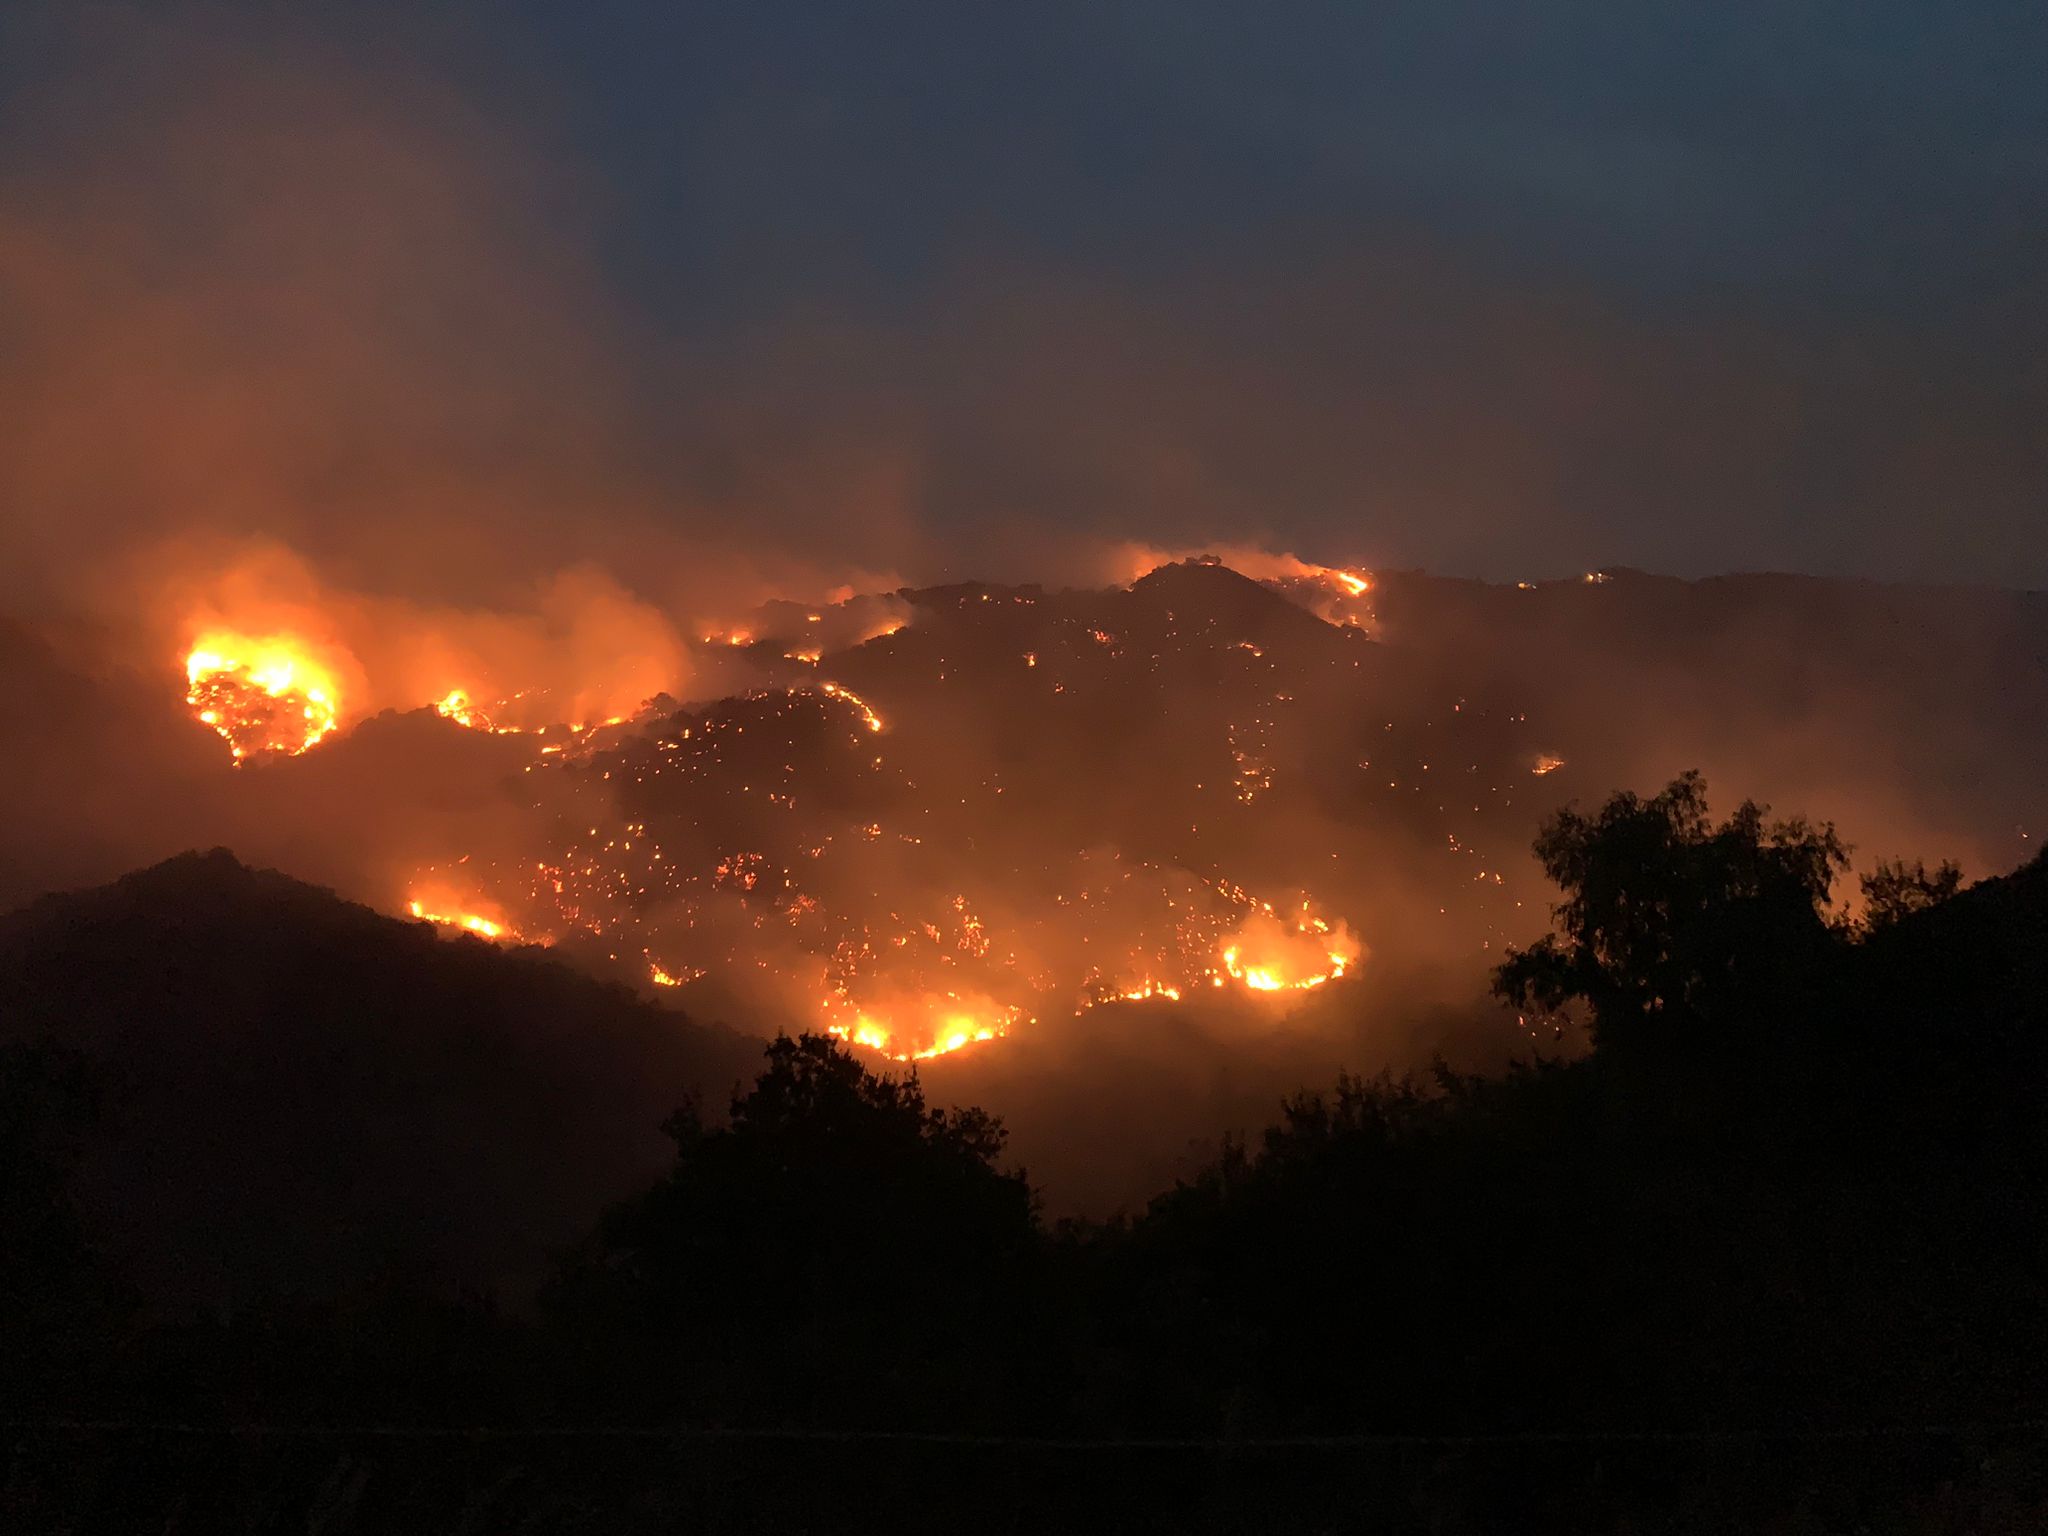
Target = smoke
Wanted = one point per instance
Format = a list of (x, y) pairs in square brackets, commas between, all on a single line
[(281, 292), (264, 282), (582, 647), (299, 341), (269, 295)]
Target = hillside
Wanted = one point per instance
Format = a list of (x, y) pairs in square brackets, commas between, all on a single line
[(298, 1096)]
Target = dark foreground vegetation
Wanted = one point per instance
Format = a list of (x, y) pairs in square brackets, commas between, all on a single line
[(1769, 1255)]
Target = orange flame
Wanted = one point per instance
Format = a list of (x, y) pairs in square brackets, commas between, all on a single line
[(262, 694), (872, 720), (945, 1023), (452, 915), (457, 706), (1269, 954)]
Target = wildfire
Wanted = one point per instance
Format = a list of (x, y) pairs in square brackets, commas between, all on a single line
[(262, 695), (1140, 992), (492, 928), (457, 706), (868, 716), (1271, 954), (1332, 593), (947, 1024), (921, 896), (1341, 597)]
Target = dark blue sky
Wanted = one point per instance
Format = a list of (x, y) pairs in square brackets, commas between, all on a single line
[(1850, 155), (1486, 288)]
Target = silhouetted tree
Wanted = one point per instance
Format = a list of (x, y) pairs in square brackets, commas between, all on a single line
[(55, 1293), (836, 1246), (1897, 889), (1671, 923)]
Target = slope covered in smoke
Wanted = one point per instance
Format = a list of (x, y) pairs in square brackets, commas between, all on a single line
[(300, 1098), (1913, 714)]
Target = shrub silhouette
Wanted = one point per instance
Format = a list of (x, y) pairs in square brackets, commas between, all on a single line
[(831, 1243)]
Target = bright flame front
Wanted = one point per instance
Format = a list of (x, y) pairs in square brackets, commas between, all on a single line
[(261, 694)]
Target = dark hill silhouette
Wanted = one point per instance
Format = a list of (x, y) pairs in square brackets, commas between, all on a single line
[(102, 770), (298, 1096)]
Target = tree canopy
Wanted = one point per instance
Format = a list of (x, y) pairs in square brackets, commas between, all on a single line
[(1672, 925), (834, 1217)]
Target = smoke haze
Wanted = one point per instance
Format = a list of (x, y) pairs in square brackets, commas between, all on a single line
[(377, 346)]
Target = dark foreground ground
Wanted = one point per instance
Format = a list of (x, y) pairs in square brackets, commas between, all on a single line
[(94, 1479)]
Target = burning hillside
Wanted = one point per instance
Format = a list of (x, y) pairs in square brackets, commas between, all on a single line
[(934, 816), (931, 819), (261, 695)]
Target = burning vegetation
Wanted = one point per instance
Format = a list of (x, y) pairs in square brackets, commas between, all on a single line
[(263, 695), (934, 819)]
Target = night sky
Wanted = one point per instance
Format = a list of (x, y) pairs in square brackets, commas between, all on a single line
[(939, 289)]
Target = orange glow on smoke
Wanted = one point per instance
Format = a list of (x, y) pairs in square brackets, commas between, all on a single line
[(262, 694)]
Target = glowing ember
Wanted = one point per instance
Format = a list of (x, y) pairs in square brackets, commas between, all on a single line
[(1141, 992), (261, 694)]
